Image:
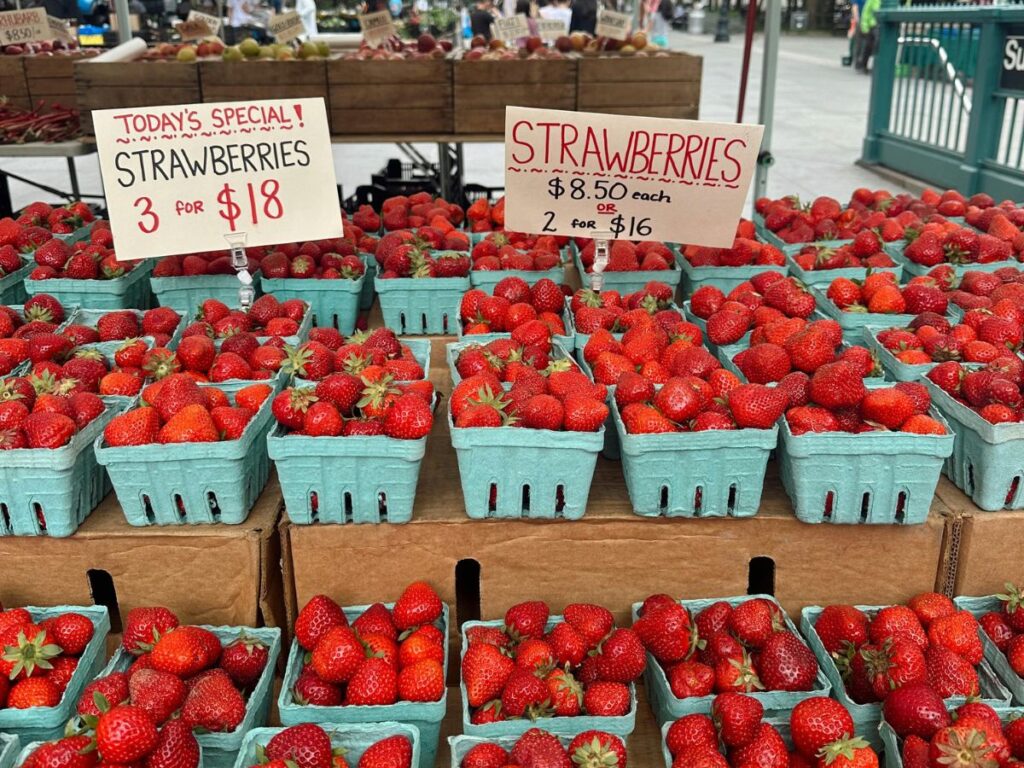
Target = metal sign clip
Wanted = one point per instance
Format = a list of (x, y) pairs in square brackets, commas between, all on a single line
[(239, 260), (601, 249)]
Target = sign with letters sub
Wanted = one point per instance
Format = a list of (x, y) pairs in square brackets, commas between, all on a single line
[(511, 28), (198, 25), (377, 27), (286, 26), (1011, 77), (639, 178), (551, 29), (28, 26), (179, 179), (613, 24)]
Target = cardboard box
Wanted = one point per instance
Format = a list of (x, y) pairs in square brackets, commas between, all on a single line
[(207, 574), (984, 548)]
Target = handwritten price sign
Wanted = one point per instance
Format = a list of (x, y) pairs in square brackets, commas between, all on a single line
[(613, 24), (377, 27), (640, 178), (286, 26), (511, 28), (178, 179), (28, 26), (198, 25)]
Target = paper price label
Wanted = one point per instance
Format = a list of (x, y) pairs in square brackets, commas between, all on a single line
[(551, 29), (28, 26), (198, 25), (511, 27), (286, 26), (640, 178), (59, 29), (179, 179), (377, 27), (613, 24)]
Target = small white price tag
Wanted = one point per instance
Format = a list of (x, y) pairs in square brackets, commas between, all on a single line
[(29, 26), (551, 29), (286, 26), (377, 27), (639, 178), (180, 178), (511, 28), (198, 25), (613, 24)]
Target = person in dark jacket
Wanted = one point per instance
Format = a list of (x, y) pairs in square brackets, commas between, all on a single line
[(481, 18), (584, 16)]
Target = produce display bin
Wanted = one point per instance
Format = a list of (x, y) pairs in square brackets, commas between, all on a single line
[(995, 659), (824, 277), (12, 75), (486, 279), (666, 84), (854, 323), (353, 738), (622, 725), (873, 477), (628, 282), (50, 492), (191, 483), (424, 717), (718, 473), (185, 294), (52, 79), (895, 369), (46, 723), (333, 303), (421, 306), (12, 286), (220, 750), (482, 90), (866, 717), (668, 708), (112, 85), (239, 81), (912, 269), (128, 292), (987, 462)]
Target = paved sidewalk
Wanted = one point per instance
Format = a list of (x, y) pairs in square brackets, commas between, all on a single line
[(820, 116)]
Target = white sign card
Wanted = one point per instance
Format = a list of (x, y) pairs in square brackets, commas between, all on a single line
[(377, 27), (511, 28), (286, 26), (28, 26), (613, 24)]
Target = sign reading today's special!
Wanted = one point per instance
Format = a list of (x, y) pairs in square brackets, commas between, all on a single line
[(639, 178), (181, 179)]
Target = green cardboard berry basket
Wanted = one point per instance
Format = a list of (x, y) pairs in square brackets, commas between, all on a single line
[(622, 725), (994, 658), (50, 492), (420, 349), (610, 450), (459, 746), (987, 462), (10, 747), (366, 294), (452, 350), (824, 277), (913, 269), (882, 478), (580, 339), (299, 337), (12, 289), (220, 750), (486, 279), (353, 738), (421, 306), (868, 716), (191, 483), (333, 303), (628, 282), (46, 723), (90, 317), (779, 722), (568, 341), (185, 294), (668, 707), (717, 473), (21, 757), (723, 278), (854, 323), (895, 369), (424, 717), (130, 291), (892, 744)]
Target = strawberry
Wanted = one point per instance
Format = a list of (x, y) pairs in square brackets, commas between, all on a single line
[(485, 669), (786, 664), (71, 631), (69, 752), (541, 749), (527, 619), (584, 414), (310, 690), (244, 660), (897, 622), (620, 657), (375, 682), (524, 694), (818, 721), (176, 747), (144, 626), (408, 418), (915, 709), (33, 692), (737, 718), (306, 745), (418, 604), (596, 748), (48, 430), (848, 753), (337, 655), (191, 424), (564, 693), (392, 752), (376, 619), (593, 622), (125, 734), (756, 406), (421, 681), (185, 651), (485, 755), (112, 688), (839, 625), (665, 632), (159, 694), (950, 674)]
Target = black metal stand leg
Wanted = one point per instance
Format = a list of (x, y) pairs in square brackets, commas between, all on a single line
[(73, 176), (444, 170), (6, 207)]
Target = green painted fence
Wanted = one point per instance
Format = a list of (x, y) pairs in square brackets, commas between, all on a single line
[(942, 109)]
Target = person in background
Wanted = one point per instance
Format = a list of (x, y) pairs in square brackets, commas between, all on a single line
[(584, 16), (869, 30), (307, 13), (856, 38), (481, 18), (559, 10), (239, 17)]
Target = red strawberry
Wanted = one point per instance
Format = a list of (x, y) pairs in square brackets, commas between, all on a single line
[(819, 721), (159, 694), (144, 626), (316, 618), (177, 747), (306, 745), (244, 660), (737, 718), (213, 703), (392, 752), (125, 734)]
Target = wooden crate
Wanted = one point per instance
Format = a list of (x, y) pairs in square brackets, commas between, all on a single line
[(390, 97), (112, 85), (51, 79), (262, 79), (13, 85), (483, 89), (661, 85)]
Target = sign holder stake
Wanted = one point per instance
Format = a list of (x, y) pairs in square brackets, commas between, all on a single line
[(601, 249), (246, 293)]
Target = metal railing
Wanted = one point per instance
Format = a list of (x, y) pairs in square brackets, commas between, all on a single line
[(937, 111)]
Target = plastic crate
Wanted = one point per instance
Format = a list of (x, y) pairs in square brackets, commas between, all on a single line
[(220, 750), (622, 725), (875, 477), (987, 462), (994, 658), (421, 306), (668, 708), (895, 369), (191, 483), (866, 717), (718, 473), (824, 277), (854, 323), (12, 287), (366, 294), (912, 269), (628, 282), (128, 292), (185, 294), (353, 738), (46, 723), (50, 492), (723, 278), (333, 303), (425, 717)]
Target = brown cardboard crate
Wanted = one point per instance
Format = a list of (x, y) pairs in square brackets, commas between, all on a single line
[(111, 85), (52, 79), (13, 85), (406, 96), (262, 79), (484, 88), (663, 85)]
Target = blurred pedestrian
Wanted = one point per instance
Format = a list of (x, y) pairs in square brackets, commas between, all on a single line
[(869, 32), (584, 16), (481, 18)]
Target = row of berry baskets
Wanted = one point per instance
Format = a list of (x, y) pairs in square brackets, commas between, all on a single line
[(928, 664)]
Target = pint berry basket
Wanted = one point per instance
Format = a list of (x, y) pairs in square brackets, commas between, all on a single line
[(221, 749), (50, 492), (12, 291), (185, 294), (421, 306), (130, 291), (994, 658), (913, 269), (894, 369), (824, 277), (424, 717), (627, 282), (855, 324), (367, 293), (333, 303), (191, 483), (10, 746), (723, 278), (46, 723), (718, 473), (353, 738)]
